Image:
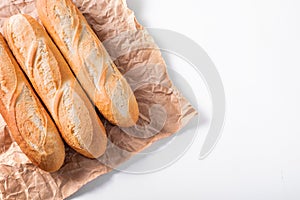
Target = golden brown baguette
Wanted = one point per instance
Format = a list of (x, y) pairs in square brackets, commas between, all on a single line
[(54, 82), (89, 60), (29, 123)]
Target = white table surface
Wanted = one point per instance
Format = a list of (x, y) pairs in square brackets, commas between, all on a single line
[(255, 45)]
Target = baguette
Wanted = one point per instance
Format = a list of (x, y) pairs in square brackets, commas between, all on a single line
[(89, 61), (54, 82), (29, 123)]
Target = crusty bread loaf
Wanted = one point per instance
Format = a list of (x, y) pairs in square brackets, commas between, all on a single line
[(54, 82), (89, 60), (29, 123)]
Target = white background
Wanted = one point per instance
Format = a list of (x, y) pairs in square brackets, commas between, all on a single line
[(255, 45)]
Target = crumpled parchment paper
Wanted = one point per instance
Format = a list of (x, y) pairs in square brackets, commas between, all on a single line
[(163, 110)]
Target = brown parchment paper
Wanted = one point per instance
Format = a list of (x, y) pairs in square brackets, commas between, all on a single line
[(163, 110)]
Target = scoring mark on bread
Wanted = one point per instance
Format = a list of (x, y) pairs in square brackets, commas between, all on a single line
[(75, 117), (116, 90), (16, 27), (30, 120), (65, 21), (93, 61), (46, 71), (8, 79)]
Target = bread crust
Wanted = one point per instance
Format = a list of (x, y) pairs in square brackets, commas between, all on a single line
[(48, 72), (29, 123), (89, 61)]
